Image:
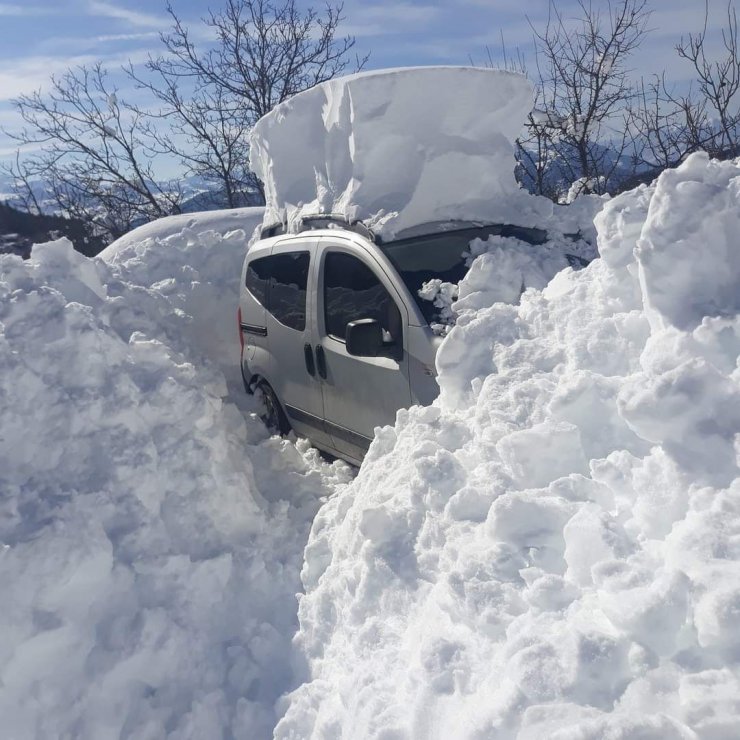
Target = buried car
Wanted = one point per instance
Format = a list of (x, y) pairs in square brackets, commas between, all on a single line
[(375, 186), (334, 331)]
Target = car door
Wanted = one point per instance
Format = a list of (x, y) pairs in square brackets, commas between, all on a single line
[(290, 319), (360, 393)]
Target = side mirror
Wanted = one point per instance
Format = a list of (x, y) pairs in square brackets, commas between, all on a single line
[(364, 338)]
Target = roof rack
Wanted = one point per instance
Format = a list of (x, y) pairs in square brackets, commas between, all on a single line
[(320, 221)]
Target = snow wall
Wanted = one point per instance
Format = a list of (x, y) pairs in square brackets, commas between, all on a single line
[(397, 148), (552, 550), (151, 533)]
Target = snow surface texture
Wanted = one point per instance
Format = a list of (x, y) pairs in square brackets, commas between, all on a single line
[(397, 148), (552, 550), (500, 270), (151, 534), (222, 222)]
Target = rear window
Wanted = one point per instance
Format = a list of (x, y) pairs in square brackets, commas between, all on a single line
[(279, 283), (288, 283), (258, 275)]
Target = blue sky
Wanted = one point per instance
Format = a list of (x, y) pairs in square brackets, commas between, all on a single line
[(41, 37)]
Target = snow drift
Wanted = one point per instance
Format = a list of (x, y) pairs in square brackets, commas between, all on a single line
[(222, 222), (151, 533), (553, 548), (397, 148)]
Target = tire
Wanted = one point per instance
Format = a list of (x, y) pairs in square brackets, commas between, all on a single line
[(272, 413), (247, 388)]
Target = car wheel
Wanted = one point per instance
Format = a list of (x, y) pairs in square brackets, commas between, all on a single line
[(247, 388), (272, 413)]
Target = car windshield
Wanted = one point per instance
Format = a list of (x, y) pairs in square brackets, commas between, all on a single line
[(419, 259)]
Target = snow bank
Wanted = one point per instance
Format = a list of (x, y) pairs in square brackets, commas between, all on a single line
[(195, 259), (222, 222), (500, 270), (397, 148), (553, 548), (151, 534)]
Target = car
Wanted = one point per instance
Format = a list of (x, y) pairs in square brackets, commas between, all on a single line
[(334, 334)]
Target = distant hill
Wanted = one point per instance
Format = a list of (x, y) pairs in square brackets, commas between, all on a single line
[(19, 230)]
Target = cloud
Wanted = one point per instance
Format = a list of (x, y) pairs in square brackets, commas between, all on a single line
[(381, 20), (6, 152), (127, 36), (132, 17), (24, 76), (29, 74), (21, 11)]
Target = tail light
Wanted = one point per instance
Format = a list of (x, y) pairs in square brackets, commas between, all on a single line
[(239, 327)]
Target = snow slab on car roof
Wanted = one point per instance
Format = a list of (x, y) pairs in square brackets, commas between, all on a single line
[(396, 148)]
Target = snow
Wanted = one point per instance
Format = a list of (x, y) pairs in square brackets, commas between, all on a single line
[(151, 533), (500, 270), (549, 550), (553, 548), (221, 221), (397, 148)]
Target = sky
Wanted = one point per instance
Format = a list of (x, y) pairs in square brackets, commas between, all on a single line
[(42, 37)]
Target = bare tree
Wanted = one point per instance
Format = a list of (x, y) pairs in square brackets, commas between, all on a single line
[(534, 153), (668, 125), (715, 106), (537, 153), (25, 191), (96, 154), (580, 134), (707, 116), (265, 52), (92, 153), (662, 128), (201, 129)]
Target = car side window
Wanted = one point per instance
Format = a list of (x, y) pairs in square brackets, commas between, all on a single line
[(279, 283), (352, 292), (258, 275)]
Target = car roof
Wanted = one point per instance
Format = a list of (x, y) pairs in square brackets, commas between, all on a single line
[(262, 247)]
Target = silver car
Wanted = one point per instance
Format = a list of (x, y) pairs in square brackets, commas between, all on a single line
[(333, 331)]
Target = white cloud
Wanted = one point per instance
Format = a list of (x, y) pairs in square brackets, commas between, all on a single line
[(19, 11), (127, 36), (132, 17), (379, 20), (23, 76), (29, 74), (6, 152)]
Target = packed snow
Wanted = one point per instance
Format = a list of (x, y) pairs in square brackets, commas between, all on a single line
[(549, 550), (553, 548), (221, 222), (397, 148), (151, 533), (501, 268)]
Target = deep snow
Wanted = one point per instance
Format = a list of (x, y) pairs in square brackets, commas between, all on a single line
[(550, 550), (222, 222), (553, 548), (397, 148), (151, 533)]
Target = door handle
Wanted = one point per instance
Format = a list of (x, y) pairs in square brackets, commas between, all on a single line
[(321, 361), (308, 355)]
